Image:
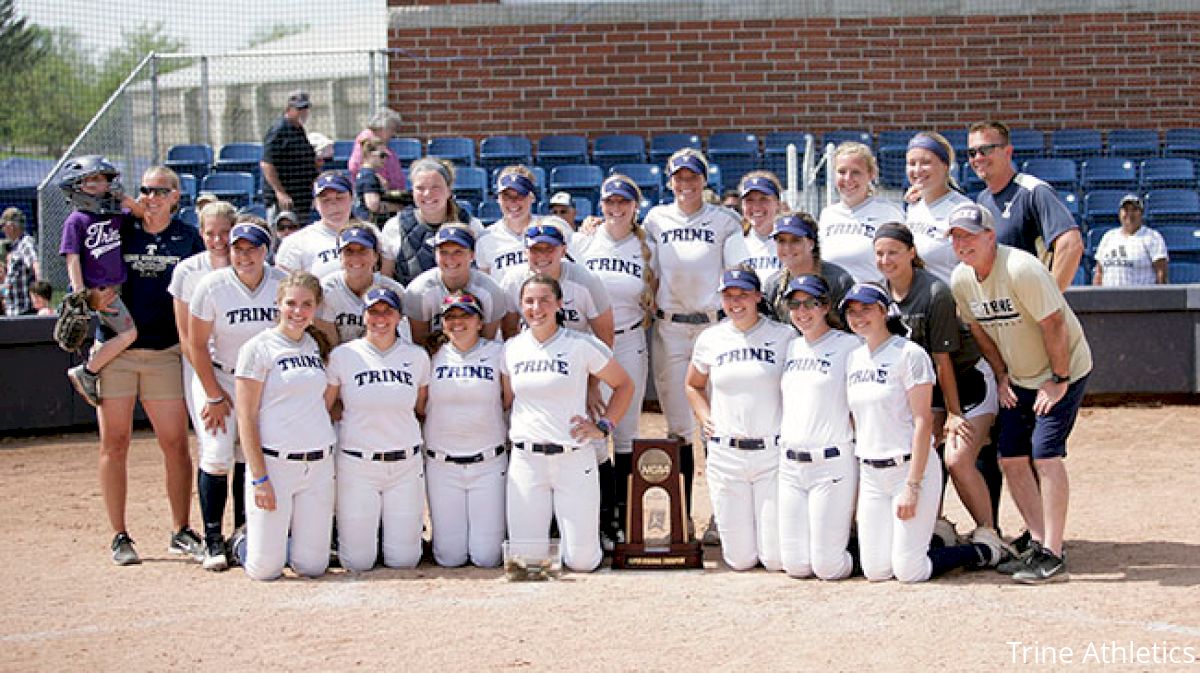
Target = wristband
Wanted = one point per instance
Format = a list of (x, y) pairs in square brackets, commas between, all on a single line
[(215, 400), (261, 480), (604, 425)]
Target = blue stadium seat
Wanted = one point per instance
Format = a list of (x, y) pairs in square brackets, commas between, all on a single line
[(969, 180), (664, 145), (737, 153), (847, 135), (1184, 143), (188, 216), (1071, 201), (466, 207), (456, 149), (501, 151), (1060, 173), (645, 207), (236, 188), (1082, 275), (255, 209), (561, 150), (583, 209), (1133, 143), (609, 151), (577, 180), (648, 178), (342, 149), (1168, 173), (470, 183), (1172, 206), (1108, 173), (1100, 208), (775, 150), (242, 158), (1077, 144), (893, 148), (1183, 241), (406, 150), (188, 189), (539, 179), (489, 212), (714, 178), (1027, 144), (1183, 272), (196, 160), (1094, 235), (958, 140)]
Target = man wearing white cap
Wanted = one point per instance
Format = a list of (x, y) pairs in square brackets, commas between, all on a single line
[(562, 205)]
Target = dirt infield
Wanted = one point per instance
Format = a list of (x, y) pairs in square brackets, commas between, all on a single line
[(1134, 595)]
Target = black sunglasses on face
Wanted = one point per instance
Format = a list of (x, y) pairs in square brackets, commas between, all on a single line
[(810, 304), (156, 191), (984, 150)]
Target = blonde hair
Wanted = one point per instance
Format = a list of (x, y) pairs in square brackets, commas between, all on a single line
[(646, 300), (221, 209), (950, 157), (158, 170), (688, 152), (306, 280), (519, 169), (774, 180), (856, 150)]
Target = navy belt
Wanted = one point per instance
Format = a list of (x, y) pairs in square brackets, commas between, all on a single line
[(466, 460), (701, 318), (385, 456), (746, 444), (806, 457), (547, 448), (220, 367), (316, 454), (886, 462), (632, 327)]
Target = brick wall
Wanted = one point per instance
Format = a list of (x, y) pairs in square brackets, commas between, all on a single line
[(814, 74)]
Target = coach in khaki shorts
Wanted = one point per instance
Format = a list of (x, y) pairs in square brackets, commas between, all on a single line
[(1016, 312)]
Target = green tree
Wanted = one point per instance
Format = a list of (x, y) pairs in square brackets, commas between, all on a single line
[(135, 44), (20, 43), (51, 101), (279, 30)]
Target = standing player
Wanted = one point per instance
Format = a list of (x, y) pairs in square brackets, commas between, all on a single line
[(553, 469), (799, 251), (1018, 316), (466, 462), (504, 246), (742, 358), (341, 315), (382, 383), (928, 161), (691, 243), (1027, 212), (229, 306), (760, 206), (889, 384), (315, 248), (818, 476), (848, 227), (288, 437), (454, 251), (617, 253)]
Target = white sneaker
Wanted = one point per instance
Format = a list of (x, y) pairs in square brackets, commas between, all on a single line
[(712, 536), (215, 558), (944, 531), (988, 537)]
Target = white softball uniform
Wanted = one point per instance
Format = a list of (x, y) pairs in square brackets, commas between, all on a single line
[(818, 475), (424, 295), (688, 255), (502, 250), (743, 371), (466, 429), (236, 313), (762, 256), (621, 267), (390, 238), (848, 235), (1129, 259), (550, 474), (380, 470), (927, 221), (183, 284), (584, 296), (313, 249), (344, 307), (877, 385), (294, 425)]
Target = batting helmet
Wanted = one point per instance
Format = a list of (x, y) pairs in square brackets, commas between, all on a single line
[(79, 169)]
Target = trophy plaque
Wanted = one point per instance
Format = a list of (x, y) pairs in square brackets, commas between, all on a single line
[(656, 516)]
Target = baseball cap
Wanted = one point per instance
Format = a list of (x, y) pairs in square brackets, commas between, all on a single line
[(1131, 199), (865, 293), (794, 225), (618, 187), (548, 229), (813, 286), (285, 215), (13, 214), (338, 182), (360, 235), (759, 184), (562, 199), (456, 235), (247, 231), (299, 100), (970, 217), (688, 161), (382, 294), (516, 182), (464, 301), (746, 280)]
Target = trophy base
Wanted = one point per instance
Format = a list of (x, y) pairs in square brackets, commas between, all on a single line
[(685, 556)]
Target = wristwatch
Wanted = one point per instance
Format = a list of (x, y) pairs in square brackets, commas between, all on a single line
[(604, 425), (1060, 379)]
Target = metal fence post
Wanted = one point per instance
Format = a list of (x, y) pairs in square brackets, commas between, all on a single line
[(371, 93), (205, 103), (154, 118)]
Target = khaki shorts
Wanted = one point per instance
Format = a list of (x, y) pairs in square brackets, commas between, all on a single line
[(144, 373)]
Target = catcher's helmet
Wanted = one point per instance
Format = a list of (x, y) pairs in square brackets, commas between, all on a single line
[(80, 168)]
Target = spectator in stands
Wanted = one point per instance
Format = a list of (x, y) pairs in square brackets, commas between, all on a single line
[(1131, 254), (322, 147), (42, 294), (289, 164), (1028, 213), (21, 267), (370, 185), (732, 199), (384, 125), (563, 206)]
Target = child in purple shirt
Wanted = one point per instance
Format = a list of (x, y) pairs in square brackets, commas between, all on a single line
[(91, 242)]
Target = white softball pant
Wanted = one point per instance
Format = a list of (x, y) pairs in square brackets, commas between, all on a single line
[(890, 547), (220, 449), (816, 506), (671, 352), (303, 508), (466, 509), (630, 350), (743, 485), (565, 486), (370, 492)]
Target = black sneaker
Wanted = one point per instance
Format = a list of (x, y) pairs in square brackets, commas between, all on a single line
[(1015, 563), (123, 553), (237, 546), (1021, 542), (1043, 568), (215, 558), (185, 542), (86, 384)]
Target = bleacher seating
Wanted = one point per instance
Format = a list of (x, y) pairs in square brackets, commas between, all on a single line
[(561, 150), (342, 149), (1076, 144), (775, 150), (1133, 143), (892, 154), (1183, 241), (1172, 206), (501, 151), (1183, 143), (188, 189), (958, 140), (470, 184), (664, 145), (611, 150), (188, 215), (406, 150), (489, 212), (1100, 207), (577, 180), (969, 180), (242, 158), (648, 178), (196, 160), (1059, 173), (466, 207), (456, 149), (255, 209), (1108, 173), (1071, 201), (847, 135), (1168, 173), (1183, 272), (736, 153), (1027, 144), (237, 188), (1092, 241)]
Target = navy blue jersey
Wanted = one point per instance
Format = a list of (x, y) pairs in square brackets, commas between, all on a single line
[(150, 260), (1028, 215)]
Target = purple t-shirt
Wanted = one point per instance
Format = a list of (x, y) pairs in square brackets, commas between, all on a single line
[(97, 241)]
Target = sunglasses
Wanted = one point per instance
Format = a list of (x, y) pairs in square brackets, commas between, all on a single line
[(809, 304), (544, 230), (156, 191), (382, 155), (983, 150)]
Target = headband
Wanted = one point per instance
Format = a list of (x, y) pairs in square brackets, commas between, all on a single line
[(924, 142)]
